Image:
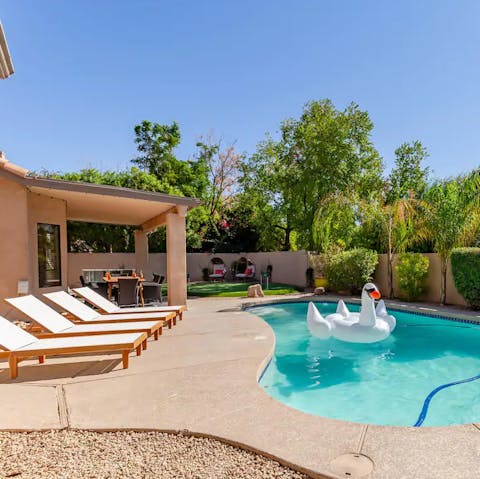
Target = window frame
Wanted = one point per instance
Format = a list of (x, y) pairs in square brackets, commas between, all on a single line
[(42, 263)]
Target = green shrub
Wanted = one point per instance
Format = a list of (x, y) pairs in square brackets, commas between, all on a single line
[(466, 274), (412, 275), (350, 270)]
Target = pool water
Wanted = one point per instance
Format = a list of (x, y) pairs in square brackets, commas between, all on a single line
[(381, 383)]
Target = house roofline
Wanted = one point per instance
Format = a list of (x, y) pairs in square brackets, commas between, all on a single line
[(20, 175), (6, 65)]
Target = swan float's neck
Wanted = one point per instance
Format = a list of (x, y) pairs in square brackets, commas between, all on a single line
[(367, 311)]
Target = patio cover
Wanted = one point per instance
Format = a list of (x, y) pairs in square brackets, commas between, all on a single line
[(101, 203), (145, 210)]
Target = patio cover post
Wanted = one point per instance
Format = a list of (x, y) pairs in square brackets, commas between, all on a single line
[(176, 256), (141, 252)]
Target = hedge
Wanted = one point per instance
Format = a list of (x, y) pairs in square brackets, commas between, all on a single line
[(466, 274), (412, 275), (350, 270)]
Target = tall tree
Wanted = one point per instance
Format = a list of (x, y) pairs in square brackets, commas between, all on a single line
[(155, 144), (408, 178), (224, 169), (160, 171), (326, 151), (451, 218), (272, 192)]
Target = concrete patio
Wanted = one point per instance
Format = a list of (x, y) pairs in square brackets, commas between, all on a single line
[(201, 376)]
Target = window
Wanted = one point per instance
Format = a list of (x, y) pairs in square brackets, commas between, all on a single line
[(49, 267)]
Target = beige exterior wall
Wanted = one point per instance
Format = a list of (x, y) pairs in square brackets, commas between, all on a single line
[(14, 240), (42, 209), (21, 211), (433, 284)]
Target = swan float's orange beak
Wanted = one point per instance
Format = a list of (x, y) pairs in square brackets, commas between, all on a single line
[(375, 294)]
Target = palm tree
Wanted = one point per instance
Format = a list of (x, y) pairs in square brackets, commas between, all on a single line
[(334, 222), (400, 231), (396, 222), (451, 216)]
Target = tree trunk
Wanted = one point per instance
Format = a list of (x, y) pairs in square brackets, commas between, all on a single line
[(390, 274), (286, 241), (443, 295), (390, 260)]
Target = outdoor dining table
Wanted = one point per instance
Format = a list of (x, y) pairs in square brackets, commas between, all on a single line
[(114, 280)]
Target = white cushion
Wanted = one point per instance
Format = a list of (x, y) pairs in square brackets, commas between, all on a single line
[(12, 337), (72, 305), (96, 299), (40, 313)]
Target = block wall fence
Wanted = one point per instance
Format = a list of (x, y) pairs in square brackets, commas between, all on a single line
[(289, 267)]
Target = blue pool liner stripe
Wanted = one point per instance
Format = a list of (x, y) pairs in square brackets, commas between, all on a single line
[(265, 370), (426, 404)]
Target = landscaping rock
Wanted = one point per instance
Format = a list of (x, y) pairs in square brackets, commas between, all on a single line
[(255, 291), (85, 454), (319, 290)]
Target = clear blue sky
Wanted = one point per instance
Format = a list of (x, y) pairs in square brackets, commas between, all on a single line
[(88, 70)]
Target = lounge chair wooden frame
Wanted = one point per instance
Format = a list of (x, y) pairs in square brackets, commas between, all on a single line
[(90, 298), (155, 328), (14, 357), (18, 345)]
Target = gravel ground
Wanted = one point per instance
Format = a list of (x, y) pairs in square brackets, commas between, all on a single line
[(83, 454)]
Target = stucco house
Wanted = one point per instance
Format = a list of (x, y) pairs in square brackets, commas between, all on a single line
[(33, 228)]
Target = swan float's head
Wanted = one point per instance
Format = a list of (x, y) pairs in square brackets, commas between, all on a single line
[(372, 291)]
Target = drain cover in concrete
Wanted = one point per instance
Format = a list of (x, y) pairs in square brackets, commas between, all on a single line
[(352, 465)]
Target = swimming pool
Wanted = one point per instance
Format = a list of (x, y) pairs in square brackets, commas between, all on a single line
[(393, 382)]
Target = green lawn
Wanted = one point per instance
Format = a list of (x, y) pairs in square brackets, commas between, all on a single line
[(235, 289)]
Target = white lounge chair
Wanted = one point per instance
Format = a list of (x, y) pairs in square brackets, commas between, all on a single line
[(108, 307), (60, 326), (19, 345), (80, 311)]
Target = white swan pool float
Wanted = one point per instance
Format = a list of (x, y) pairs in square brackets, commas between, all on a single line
[(369, 326)]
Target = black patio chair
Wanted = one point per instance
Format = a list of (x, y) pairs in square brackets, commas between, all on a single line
[(127, 292), (100, 288), (152, 290)]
